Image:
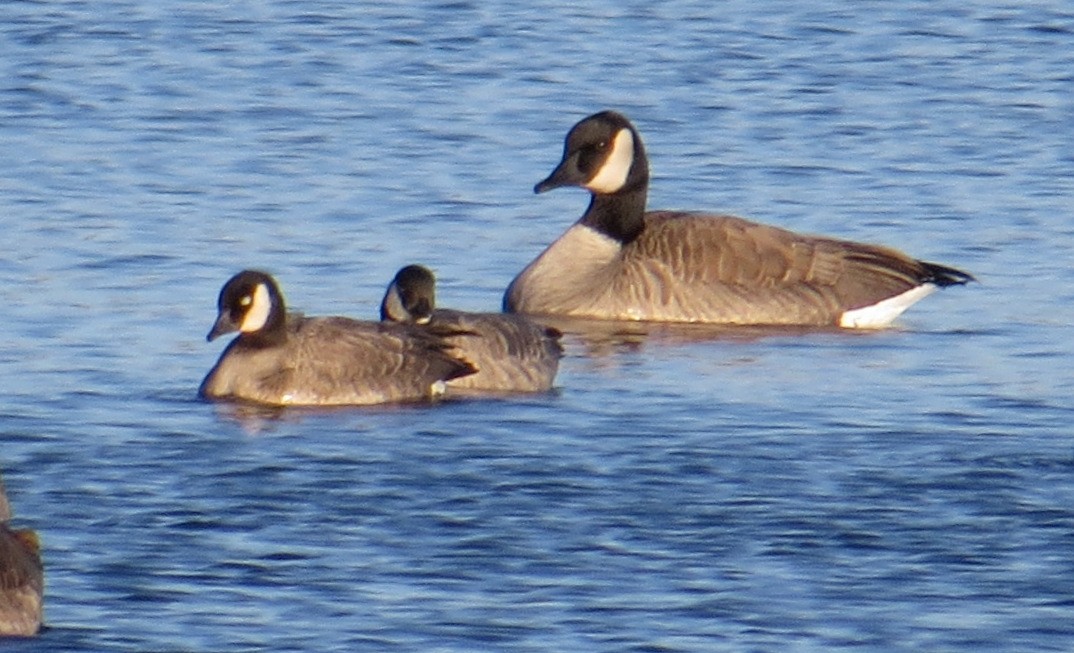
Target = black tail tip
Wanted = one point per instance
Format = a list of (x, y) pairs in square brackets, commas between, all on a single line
[(944, 276), (462, 368)]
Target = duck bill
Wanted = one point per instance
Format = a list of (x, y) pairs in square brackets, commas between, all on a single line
[(563, 175), (224, 324)]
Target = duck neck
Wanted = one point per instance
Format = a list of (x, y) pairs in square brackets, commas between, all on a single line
[(620, 215), (273, 334)]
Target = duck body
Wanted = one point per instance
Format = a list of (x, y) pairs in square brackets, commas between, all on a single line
[(281, 359), (622, 262), (22, 577), (510, 352)]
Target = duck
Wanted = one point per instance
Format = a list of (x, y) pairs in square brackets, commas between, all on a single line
[(620, 261), (511, 353), (289, 359), (22, 577)]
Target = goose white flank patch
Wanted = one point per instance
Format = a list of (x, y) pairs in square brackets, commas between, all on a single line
[(511, 352), (289, 359), (622, 262)]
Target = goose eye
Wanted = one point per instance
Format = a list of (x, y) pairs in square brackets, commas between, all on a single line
[(589, 157)]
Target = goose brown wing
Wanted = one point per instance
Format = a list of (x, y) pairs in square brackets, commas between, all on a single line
[(504, 334), (21, 582), (348, 351), (20, 562), (511, 353), (733, 260)]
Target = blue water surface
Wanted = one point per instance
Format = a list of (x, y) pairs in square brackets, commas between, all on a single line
[(682, 489)]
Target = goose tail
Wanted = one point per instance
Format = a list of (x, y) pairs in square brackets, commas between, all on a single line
[(944, 276)]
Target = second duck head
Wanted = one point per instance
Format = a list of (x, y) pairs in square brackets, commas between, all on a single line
[(250, 303), (411, 296)]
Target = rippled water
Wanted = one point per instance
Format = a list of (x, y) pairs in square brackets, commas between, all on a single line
[(683, 489)]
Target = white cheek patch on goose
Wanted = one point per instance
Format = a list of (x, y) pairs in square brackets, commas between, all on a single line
[(257, 315), (613, 174), (393, 306)]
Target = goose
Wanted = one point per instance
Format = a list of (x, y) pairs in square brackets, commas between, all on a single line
[(22, 577), (286, 359), (619, 261), (511, 353)]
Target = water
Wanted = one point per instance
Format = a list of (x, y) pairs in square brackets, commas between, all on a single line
[(680, 491)]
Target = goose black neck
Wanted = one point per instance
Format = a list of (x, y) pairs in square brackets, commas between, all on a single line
[(274, 332), (619, 215), (263, 338)]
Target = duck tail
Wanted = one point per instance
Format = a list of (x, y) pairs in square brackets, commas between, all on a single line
[(944, 276)]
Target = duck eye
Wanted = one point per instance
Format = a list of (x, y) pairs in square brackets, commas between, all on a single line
[(589, 157), (246, 300)]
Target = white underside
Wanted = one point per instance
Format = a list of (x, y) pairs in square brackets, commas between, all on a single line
[(883, 313)]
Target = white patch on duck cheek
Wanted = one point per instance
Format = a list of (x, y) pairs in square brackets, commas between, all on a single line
[(613, 174), (393, 305), (257, 314)]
